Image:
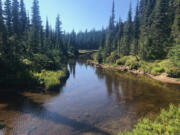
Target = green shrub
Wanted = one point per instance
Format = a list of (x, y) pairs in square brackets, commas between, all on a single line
[(41, 61), (174, 55), (94, 56), (15, 74), (174, 72), (50, 79), (130, 61), (99, 57), (112, 58), (157, 70), (109, 59), (144, 66), (167, 123), (115, 56), (122, 61), (132, 64)]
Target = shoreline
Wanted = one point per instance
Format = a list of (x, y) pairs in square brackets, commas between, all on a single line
[(162, 78)]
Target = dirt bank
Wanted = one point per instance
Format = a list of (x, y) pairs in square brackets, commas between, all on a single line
[(162, 78)]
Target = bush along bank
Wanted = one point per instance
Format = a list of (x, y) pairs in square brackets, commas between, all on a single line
[(162, 70), (39, 73), (167, 123), (52, 80)]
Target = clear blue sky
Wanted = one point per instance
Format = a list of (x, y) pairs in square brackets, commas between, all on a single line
[(81, 14)]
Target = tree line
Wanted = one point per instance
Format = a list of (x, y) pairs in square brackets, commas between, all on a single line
[(153, 34), (22, 36), (27, 46)]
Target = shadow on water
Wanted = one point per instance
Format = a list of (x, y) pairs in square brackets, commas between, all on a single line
[(38, 111)]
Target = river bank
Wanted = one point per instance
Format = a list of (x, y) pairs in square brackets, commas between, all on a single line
[(162, 78)]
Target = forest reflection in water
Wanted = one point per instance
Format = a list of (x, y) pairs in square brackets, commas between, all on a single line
[(93, 101)]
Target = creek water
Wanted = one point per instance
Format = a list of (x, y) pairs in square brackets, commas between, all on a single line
[(92, 102)]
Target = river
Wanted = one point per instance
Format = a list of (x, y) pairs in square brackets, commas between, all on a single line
[(92, 102)]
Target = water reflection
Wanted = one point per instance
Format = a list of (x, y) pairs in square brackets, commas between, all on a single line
[(93, 102), (72, 67), (129, 87)]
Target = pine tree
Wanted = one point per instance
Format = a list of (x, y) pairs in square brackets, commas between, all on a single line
[(47, 35), (158, 40), (72, 43), (8, 16), (47, 28), (28, 21), (136, 30), (110, 31), (42, 39), (15, 17), (128, 29), (146, 19), (120, 34), (23, 17), (102, 39), (175, 51), (1, 17), (36, 26), (58, 32), (2, 27), (176, 25)]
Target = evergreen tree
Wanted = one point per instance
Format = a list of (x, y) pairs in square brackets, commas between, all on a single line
[(58, 32), (1, 17), (2, 28), (47, 35), (110, 31), (128, 30), (36, 27), (42, 40), (47, 28), (160, 32), (146, 19), (120, 34), (8, 16), (102, 38), (136, 30), (71, 45), (15, 17), (176, 25), (23, 17), (99, 56), (175, 52)]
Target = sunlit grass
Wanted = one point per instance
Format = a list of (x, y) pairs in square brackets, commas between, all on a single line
[(50, 78)]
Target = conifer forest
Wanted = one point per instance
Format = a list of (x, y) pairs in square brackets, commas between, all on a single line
[(122, 79)]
